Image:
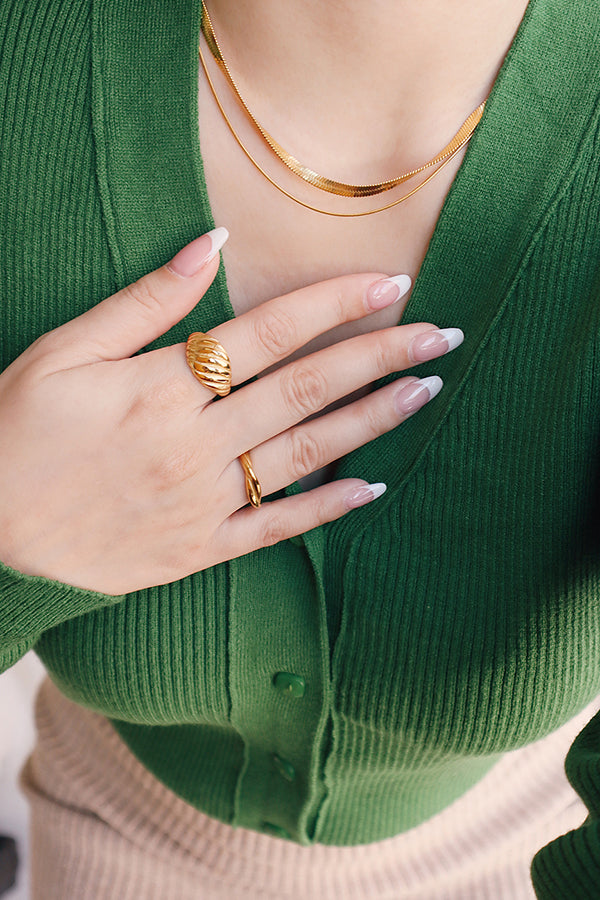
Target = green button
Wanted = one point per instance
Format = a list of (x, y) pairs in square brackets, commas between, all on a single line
[(275, 830), (285, 768), (294, 685)]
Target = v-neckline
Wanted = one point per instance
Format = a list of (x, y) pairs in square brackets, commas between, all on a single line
[(154, 195)]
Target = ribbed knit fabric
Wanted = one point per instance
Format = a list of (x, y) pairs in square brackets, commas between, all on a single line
[(103, 827), (458, 617)]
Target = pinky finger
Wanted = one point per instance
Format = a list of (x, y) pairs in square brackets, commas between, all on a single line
[(250, 529)]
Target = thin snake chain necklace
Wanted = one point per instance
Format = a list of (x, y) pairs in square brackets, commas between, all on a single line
[(461, 138)]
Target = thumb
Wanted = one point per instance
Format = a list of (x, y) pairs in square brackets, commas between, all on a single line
[(122, 324)]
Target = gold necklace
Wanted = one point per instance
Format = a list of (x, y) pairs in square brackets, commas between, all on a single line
[(461, 138)]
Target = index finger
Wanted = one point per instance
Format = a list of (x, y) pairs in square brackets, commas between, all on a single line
[(272, 331)]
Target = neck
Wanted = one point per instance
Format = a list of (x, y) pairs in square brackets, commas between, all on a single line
[(360, 70)]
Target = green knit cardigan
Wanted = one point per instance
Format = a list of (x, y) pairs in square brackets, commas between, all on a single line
[(342, 687)]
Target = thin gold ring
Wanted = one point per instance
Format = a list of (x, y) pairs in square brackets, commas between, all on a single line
[(253, 488), (209, 361)]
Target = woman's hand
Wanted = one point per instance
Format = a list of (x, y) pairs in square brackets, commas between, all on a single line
[(118, 472)]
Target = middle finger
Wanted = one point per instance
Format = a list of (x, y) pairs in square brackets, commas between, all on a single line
[(283, 398), (274, 330)]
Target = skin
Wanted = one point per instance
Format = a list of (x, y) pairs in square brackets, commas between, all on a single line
[(101, 450), (413, 72), (103, 454)]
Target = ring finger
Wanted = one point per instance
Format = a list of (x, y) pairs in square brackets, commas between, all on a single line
[(310, 446), (281, 399), (269, 333)]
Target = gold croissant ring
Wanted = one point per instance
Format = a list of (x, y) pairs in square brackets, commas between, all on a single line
[(210, 363)]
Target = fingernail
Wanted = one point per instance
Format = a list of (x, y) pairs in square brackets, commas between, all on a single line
[(365, 494), (387, 291), (415, 395), (198, 253), (434, 343)]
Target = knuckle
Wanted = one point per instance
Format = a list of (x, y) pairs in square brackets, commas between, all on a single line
[(171, 395), (175, 467), (180, 559), (385, 359), (142, 409), (44, 343), (158, 406), (43, 350), (373, 423), (305, 453), (172, 564), (142, 294), (322, 511), (304, 389), (340, 303), (273, 531), (275, 333)]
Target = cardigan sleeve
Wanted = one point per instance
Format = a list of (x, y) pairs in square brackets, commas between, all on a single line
[(569, 867), (48, 180), (30, 605)]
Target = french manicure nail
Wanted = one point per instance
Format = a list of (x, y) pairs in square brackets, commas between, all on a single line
[(434, 343), (198, 253), (387, 291), (365, 494), (413, 396)]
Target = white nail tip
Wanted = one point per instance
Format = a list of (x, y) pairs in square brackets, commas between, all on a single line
[(217, 236), (377, 489), (433, 383), (454, 336), (403, 282)]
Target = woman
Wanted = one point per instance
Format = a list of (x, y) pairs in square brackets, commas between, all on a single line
[(327, 679)]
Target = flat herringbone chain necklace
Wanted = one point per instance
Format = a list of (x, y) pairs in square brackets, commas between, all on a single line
[(461, 138)]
